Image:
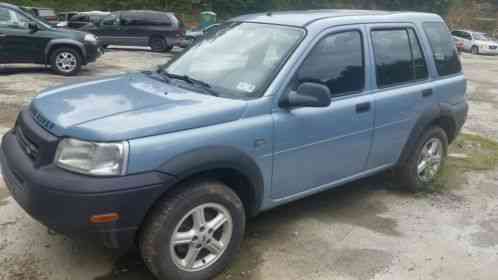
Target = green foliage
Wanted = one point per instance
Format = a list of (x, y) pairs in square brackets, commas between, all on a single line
[(227, 8)]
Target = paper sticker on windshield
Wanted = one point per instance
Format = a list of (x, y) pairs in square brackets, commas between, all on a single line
[(246, 87)]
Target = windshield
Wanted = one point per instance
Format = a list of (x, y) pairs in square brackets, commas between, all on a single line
[(481, 37), (238, 60)]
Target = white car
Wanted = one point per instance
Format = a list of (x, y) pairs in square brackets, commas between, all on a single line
[(476, 42)]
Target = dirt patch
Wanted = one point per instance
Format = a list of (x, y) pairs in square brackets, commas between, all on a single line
[(128, 267), (488, 236), (25, 267), (477, 154), (4, 194), (366, 263)]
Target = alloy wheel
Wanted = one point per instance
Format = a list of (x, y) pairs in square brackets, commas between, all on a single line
[(66, 62), (201, 237), (430, 159)]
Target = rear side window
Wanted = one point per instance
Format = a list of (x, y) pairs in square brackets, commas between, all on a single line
[(145, 18), (337, 62), (398, 57), (418, 59), (159, 19), (443, 48), (5, 17)]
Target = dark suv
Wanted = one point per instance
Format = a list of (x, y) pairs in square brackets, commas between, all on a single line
[(26, 39), (159, 30)]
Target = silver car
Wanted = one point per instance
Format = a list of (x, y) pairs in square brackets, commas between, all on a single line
[(476, 42)]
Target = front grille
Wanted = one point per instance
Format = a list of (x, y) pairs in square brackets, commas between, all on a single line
[(26, 144), (35, 140)]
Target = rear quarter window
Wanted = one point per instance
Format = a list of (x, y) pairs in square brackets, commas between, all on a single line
[(443, 48)]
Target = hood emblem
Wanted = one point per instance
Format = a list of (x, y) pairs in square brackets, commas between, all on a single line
[(41, 120)]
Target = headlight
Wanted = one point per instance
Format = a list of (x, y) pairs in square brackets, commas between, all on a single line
[(91, 38), (97, 159)]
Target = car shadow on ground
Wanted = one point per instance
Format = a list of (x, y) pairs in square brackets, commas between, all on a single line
[(14, 70), (347, 205)]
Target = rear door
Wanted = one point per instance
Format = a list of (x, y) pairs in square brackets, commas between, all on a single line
[(109, 30), (403, 88), (135, 28)]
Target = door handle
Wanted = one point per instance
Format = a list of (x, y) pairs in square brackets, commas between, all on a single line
[(363, 107), (427, 92)]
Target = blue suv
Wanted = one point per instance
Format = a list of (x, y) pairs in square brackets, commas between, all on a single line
[(268, 109)]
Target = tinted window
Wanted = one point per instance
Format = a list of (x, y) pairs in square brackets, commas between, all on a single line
[(145, 18), (11, 19), (336, 61), (443, 48), (110, 20), (5, 17), (80, 18), (159, 19), (419, 65), (393, 58)]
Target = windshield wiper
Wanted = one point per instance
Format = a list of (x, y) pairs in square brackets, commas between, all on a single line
[(203, 85)]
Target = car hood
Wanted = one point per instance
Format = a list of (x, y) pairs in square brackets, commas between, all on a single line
[(128, 106)]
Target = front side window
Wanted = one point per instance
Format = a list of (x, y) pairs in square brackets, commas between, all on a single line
[(12, 19), (111, 20), (240, 59), (443, 48), (398, 57), (337, 62)]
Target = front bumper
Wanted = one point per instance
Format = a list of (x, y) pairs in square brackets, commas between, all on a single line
[(65, 201), (93, 52)]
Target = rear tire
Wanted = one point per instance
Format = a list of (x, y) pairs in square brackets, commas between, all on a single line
[(426, 162), (475, 50), (66, 61), (176, 217), (158, 44)]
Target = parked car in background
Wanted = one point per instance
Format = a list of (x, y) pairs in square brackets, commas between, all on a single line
[(160, 31), (26, 39), (64, 17), (87, 20), (278, 107), (476, 42), (197, 33), (46, 14)]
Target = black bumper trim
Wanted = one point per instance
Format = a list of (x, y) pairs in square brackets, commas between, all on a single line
[(64, 201)]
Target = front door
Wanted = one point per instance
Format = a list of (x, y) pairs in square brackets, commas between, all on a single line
[(17, 42), (315, 147)]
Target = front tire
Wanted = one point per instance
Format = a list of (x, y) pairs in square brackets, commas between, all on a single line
[(66, 61), (426, 162), (475, 50), (193, 233)]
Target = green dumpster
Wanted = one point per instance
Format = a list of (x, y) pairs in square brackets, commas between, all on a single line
[(208, 18)]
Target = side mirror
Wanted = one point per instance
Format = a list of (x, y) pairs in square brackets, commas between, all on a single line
[(33, 27), (308, 95)]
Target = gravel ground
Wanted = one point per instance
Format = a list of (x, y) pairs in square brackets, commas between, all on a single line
[(366, 230)]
